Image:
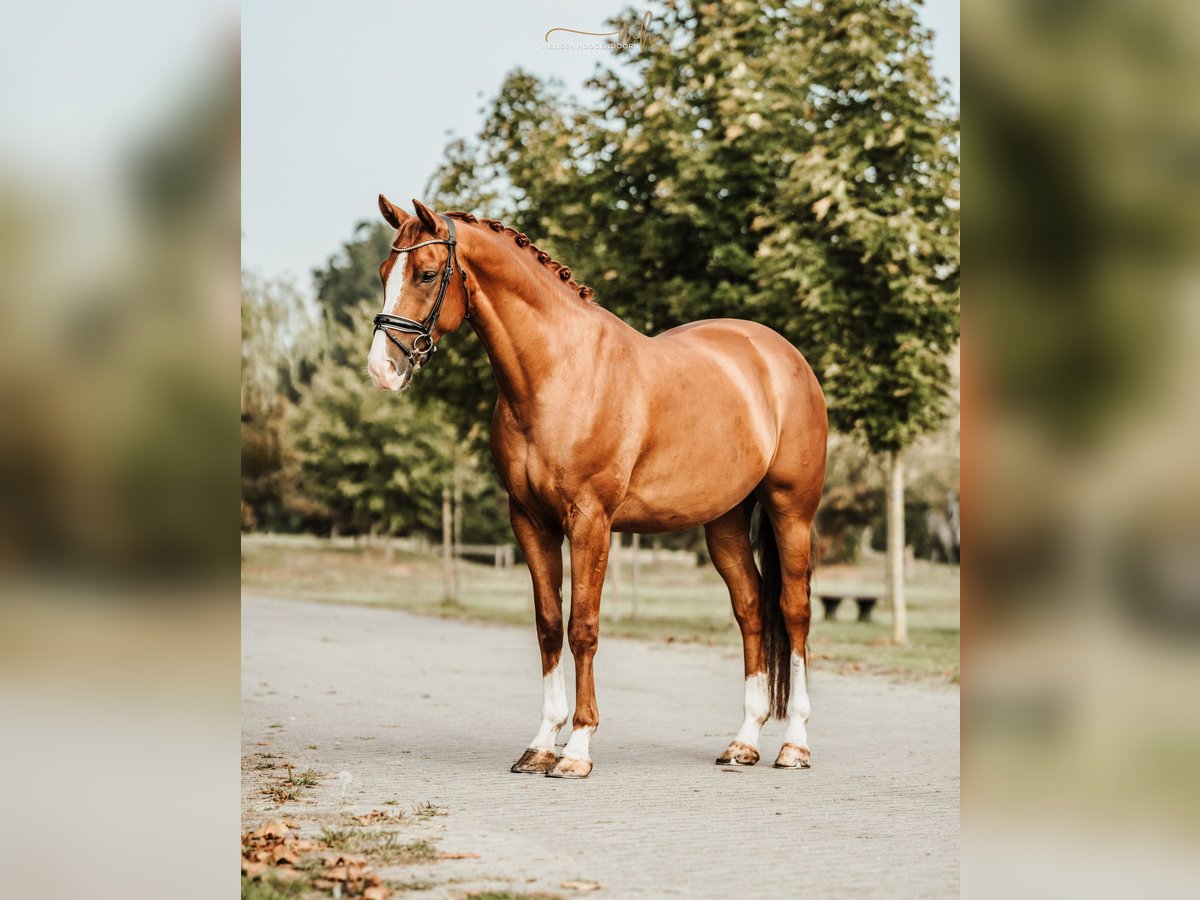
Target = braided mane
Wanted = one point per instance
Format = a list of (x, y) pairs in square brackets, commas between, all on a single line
[(522, 240)]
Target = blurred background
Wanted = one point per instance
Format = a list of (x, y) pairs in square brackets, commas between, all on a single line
[(1080, 344), (119, 171), (118, 475)]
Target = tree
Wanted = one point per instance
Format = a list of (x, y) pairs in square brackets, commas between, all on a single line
[(866, 235), (280, 335), (351, 277), (280, 341), (377, 461), (790, 162)]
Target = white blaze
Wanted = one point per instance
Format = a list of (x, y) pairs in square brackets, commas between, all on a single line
[(554, 709), (799, 708), (378, 363), (395, 285), (757, 709)]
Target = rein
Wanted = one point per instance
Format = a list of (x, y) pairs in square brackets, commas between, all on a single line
[(418, 355)]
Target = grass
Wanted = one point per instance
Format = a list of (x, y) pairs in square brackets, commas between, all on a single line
[(288, 789), (273, 888), (307, 778), (383, 847), (678, 601), (428, 810), (282, 793), (403, 887)]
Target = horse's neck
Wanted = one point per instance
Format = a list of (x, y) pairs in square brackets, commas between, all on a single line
[(524, 323)]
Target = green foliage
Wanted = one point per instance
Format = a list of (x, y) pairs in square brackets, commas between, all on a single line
[(377, 461), (854, 499), (865, 234), (788, 162), (273, 496), (280, 335), (281, 341), (351, 277)]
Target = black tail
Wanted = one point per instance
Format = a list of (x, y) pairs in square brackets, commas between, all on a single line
[(777, 646)]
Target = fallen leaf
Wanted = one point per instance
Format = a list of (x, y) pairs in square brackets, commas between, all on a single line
[(375, 816), (351, 859), (275, 829), (285, 855), (581, 885), (458, 855), (254, 869)]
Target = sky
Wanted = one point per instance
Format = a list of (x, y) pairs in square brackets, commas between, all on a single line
[(343, 101)]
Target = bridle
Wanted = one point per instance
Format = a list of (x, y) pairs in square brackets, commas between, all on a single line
[(418, 355)]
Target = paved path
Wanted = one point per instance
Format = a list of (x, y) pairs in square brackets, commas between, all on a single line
[(422, 709)]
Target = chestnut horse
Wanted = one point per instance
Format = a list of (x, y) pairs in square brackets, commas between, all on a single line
[(599, 428)]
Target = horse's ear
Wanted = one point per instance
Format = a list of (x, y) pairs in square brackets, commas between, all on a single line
[(427, 216), (395, 215)]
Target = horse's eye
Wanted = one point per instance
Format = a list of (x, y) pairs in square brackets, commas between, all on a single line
[(427, 277)]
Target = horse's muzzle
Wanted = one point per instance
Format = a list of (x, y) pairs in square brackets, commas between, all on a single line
[(386, 372)]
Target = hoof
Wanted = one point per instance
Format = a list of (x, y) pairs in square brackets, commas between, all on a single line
[(792, 756), (570, 767), (534, 762), (738, 754)]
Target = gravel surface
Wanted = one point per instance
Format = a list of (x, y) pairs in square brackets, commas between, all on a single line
[(425, 710)]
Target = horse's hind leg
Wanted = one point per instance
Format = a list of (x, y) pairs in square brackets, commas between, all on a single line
[(728, 541), (793, 531)]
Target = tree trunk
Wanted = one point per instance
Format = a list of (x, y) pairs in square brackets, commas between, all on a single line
[(458, 502), (458, 518), (614, 566), (448, 592), (895, 547), (633, 587)]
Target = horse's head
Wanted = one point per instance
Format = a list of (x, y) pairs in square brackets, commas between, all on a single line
[(424, 294)]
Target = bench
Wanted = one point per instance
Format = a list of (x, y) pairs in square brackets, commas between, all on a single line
[(831, 602)]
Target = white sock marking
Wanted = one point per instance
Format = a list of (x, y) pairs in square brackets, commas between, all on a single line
[(554, 710), (577, 744), (757, 710), (799, 708)]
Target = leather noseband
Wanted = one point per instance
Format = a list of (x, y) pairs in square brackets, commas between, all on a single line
[(423, 346)]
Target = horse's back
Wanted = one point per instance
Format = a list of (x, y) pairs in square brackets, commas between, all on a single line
[(718, 398), (741, 343), (796, 472)]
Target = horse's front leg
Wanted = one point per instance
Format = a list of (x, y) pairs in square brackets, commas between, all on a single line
[(542, 547), (589, 560)]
